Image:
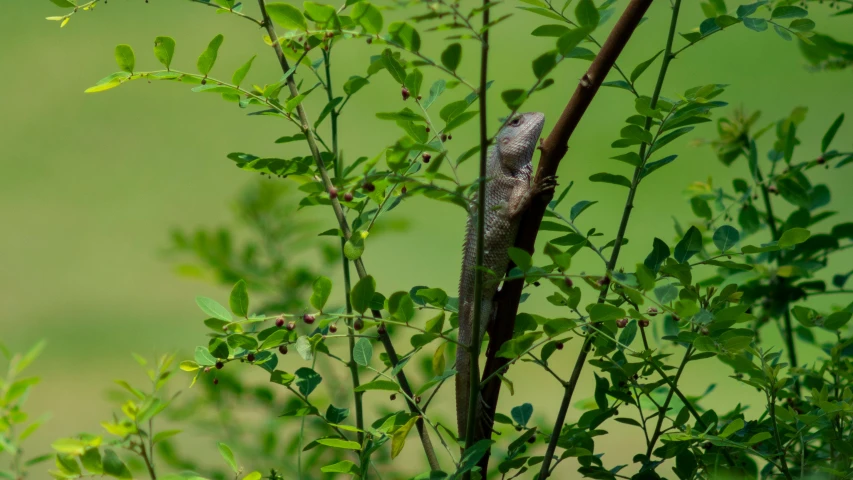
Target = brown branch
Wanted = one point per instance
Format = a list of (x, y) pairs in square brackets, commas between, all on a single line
[(554, 148)]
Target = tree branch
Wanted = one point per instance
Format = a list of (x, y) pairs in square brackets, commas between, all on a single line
[(554, 148)]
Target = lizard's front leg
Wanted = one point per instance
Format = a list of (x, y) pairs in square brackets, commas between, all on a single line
[(522, 196)]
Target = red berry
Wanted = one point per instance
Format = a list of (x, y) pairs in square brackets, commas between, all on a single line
[(368, 187), (603, 281), (559, 345), (206, 369), (420, 97), (569, 282), (622, 322), (393, 397), (279, 322), (369, 40), (653, 311), (308, 318), (703, 331), (333, 328), (219, 365), (216, 381), (821, 160), (282, 349), (403, 190), (426, 157), (405, 92), (250, 357), (348, 196), (291, 325), (772, 189), (381, 329), (333, 192), (358, 324), (450, 137), (643, 323), (427, 129), (675, 318), (418, 399), (532, 439)]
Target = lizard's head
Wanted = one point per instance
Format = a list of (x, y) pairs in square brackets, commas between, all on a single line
[(517, 140)]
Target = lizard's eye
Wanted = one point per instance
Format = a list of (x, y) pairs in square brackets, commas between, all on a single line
[(515, 121)]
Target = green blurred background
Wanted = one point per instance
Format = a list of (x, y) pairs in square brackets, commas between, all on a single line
[(91, 184)]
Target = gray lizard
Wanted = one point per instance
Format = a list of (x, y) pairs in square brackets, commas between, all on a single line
[(508, 193)]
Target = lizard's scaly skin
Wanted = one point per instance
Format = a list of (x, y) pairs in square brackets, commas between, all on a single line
[(508, 193)]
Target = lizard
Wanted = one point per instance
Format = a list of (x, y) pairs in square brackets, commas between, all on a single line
[(508, 194)]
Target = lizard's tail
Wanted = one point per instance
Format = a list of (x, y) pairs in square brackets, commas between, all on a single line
[(463, 365)]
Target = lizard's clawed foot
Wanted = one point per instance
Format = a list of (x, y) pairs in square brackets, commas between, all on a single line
[(546, 184)]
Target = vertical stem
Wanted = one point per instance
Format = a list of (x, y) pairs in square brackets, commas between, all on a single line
[(338, 209), (782, 459), (353, 367), (474, 348), (544, 471), (662, 412)]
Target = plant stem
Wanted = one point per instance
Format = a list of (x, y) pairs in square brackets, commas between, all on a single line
[(339, 212), (662, 412), (783, 461), (353, 367), (553, 150), (614, 256), (474, 348)]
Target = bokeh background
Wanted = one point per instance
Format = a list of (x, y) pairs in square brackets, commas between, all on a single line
[(91, 185)]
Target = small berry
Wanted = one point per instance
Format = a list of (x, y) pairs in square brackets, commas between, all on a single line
[(279, 322), (418, 399), (536, 284), (676, 318), (333, 328), (405, 92), (559, 345), (282, 349), (291, 325), (427, 129), (348, 196), (532, 439), (333, 192), (653, 311), (381, 329), (569, 282), (772, 189), (219, 365), (403, 190), (308, 318), (426, 157), (369, 40), (216, 381), (420, 97), (393, 397), (643, 323), (443, 137), (450, 137), (206, 369), (622, 322), (358, 324), (703, 331), (603, 281), (225, 328), (368, 187), (204, 81), (250, 357)]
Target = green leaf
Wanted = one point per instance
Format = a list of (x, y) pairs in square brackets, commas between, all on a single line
[(639, 69), (602, 312), (587, 14), (362, 293), (521, 258), (579, 207), (213, 309), (368, 16), (406, 35), (282, 378), (239, 300), (125, 58), (208, 58), (568, 41), (836, 320), (793, 237), (393, 66), (318, 12), (522, 414), (610, 178), (518, 345), (413, 82), (756, 24), (700, 207), (690, 245), (64, 3), (788, 12), (830, 134), (114, 467), (321, 289), (733, 427), (336, 442), (378, 385), (164, 50), (287, 16), (660, 252), (344, 466), (543, 64), (307, 380), (451, 56), (666, 293), (228, 455), (514, 98), (726, 237), (362, 352), (398, 438), (240, 73)]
